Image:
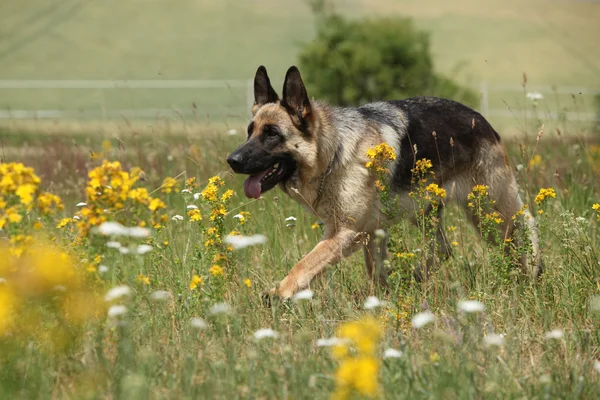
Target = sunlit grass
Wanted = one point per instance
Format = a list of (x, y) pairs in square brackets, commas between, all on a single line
[(183, 316)]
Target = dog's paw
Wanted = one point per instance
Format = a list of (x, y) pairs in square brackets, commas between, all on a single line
[(270, 297)]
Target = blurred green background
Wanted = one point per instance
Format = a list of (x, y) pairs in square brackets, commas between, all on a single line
[(483, 44)]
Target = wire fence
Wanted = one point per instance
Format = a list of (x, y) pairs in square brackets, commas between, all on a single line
[(232, 99)]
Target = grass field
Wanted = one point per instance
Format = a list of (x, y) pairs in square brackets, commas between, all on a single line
[(167, 336), (553, 43)]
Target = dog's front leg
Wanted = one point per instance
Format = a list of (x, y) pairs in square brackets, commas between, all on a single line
[(329, 251)]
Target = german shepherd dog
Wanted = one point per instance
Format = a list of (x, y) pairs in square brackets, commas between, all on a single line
[(316, 154)]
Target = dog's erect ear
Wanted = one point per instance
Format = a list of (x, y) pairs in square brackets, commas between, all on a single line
[(263, 91), (295, 99)]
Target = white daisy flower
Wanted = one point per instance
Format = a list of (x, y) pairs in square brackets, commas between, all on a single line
[(177, 218), (76, 217), (555, 334), (116, 311), (124, 250), (470, 306), (192, 207), (493, 340), (112, 228), (238, 216), (534, 96), (305, 294), (113, 245), (186, 191), (372, 302), (392, 353), (197, 196), (329, 342), (117, 292), (102, 269), (160, 295), (265, 333), (198, 323), (421, 319), (290, 219), (82, 204), (143, 248), (219, 308), (139, 232), (239, 242)]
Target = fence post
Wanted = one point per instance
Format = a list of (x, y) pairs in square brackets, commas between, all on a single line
[(484, 102)]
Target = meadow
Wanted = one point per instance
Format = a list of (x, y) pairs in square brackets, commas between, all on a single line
[(170, 309)]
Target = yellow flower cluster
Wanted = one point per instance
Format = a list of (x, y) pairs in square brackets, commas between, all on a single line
[(436, 191), (535, 161), (378, 157), (494, 217), (20, 194), (359, 367), (399, 316), (216, 270), (405, 256), (110, 192), (194, 215), (422, 166), (478, 193), (169, 185), (43, 287), (543, 194), (596, 207), (195, 282)]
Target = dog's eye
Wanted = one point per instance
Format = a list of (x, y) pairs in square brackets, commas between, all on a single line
[(270, 130)]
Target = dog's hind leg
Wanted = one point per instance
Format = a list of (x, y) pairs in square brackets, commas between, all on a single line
[(504, 192)]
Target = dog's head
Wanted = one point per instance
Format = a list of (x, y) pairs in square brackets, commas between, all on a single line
[(279, 135)]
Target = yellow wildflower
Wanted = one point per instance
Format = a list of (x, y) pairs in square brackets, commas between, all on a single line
[(247, 282), (169, 185), (196, 281), (210, 193), (143, 279), (156, 204), (535, 160), (194, 215), (544, 192), (358, 375), (216, 270), (227, 195), (25, 193), (437, 191), (190, 183), (314, 226), (216, 180), (405, 256), (217, 212)]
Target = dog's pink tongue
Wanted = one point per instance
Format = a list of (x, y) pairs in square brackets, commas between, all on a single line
[(252, 185)]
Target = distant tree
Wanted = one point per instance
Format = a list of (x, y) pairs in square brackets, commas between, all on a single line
[(352, 62)]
